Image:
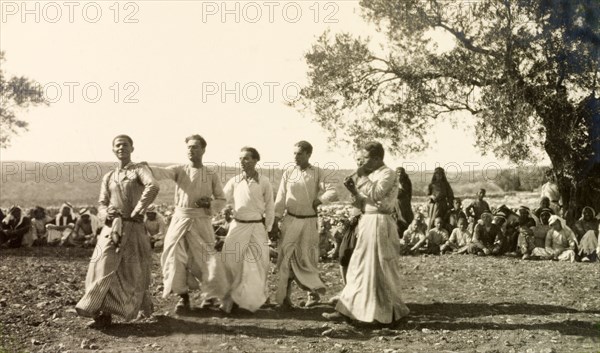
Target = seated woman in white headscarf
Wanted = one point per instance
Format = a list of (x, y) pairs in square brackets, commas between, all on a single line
[(586, 230), (560, 242), (61, 228)]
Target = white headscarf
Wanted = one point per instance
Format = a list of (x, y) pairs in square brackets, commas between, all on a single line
[(10, 217), (593, 212)]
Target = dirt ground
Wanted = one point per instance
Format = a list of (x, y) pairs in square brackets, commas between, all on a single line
[(458, 303)]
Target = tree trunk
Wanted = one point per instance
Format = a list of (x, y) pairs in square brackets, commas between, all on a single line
[(577, 169)]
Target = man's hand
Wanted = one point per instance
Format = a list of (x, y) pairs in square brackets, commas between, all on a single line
[(204, 202), (137, 217), (316, 204), (111, 213), (275, 231), (350, 185), (487, 251)]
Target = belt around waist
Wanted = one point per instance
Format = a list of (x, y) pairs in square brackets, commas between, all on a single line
[(378, 212), (555, 201), (302, 217), (249, 221)]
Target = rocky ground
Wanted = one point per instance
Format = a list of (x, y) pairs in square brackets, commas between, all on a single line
[(458, 304)]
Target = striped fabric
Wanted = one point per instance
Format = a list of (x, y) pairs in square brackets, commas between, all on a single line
[(117, 282)]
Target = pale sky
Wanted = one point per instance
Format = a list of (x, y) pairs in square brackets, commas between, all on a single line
[(173, 62)]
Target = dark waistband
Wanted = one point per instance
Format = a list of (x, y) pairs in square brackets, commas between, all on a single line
[(302, 217), (378, 212), (555, 201), (249, 221)]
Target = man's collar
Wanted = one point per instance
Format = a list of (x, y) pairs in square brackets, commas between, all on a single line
[(127, 166), (254, 177)]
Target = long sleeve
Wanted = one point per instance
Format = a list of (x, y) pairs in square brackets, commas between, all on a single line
[(165, 173), (329, 192), (376, 190), (269, 205), (281, 196), (228, 191), (104, 199), (150, 192), (219, 199)]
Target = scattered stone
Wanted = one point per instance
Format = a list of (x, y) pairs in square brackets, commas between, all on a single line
[(328, 333), (337, 345), (279, 341), (94, 346), (85, 344), (35, 342), (426, 331), (548, 350), (41, 304)]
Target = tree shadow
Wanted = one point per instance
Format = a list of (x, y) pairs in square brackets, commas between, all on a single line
[(455, 310)]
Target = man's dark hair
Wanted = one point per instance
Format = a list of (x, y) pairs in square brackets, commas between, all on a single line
[(483, 191), (197, 137), (304, 146), (122, 136), (253, 152), (375, 149)]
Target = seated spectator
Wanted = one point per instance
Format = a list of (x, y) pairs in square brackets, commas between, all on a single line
[(525, 242), (560, 242), (155, 227), (587, 230), (38, 223), (455, 214), (84, 233), (587, 222), (487, 237), (62, 226), (540, 231), (15, 229), (544, 206), (526, 218), (477, 207), (459, 239), (416, 232), (221, 226), (436, 237)]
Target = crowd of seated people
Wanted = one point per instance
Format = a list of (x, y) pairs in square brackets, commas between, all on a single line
[(478, 230)]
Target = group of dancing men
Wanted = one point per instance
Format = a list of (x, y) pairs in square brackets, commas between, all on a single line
[(119, 273)]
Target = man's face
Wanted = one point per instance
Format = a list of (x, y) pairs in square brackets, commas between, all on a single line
[(419, 220), (462, 224), (523, 214), (545, 202), (438, 223), (587, 214), (195, 150), (486, 218), (480, 195), (66, 211), (544, 217), (151, 216), (248, 163), (85, 218), (122, 148), (365, 161), (457, 204), (301, 157), (227, 215)]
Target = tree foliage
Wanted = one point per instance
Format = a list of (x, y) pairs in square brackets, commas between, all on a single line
[(16, 93), (527, 70)]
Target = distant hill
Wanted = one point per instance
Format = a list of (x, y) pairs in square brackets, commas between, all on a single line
[(49, 184)]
